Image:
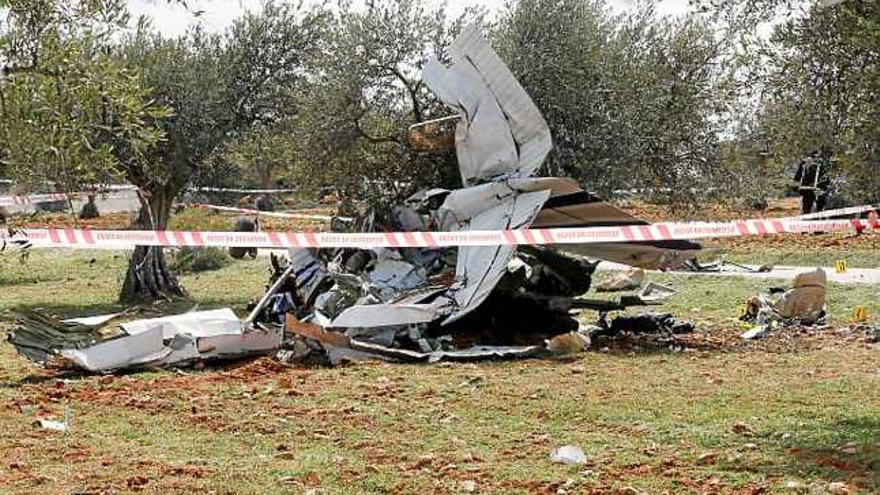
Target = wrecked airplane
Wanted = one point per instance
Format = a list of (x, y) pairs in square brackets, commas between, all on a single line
[(424, 304), (473, 301)]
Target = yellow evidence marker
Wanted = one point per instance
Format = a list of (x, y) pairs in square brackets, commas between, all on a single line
[(860, 314)]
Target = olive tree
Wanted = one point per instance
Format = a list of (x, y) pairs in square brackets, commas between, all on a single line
[(632, 100), (364, 91), (823, 90), (79, 104)]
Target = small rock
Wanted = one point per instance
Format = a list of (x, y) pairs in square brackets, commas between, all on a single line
[(568, 454), (849, 448), (759, 488), (605, 350), (568, 485), (588, 473), (468, 486), (578, 369), (474, 381), (137, 481), (750, 446), (837, 487), (743, 429), (568, 343), (816, 488), (707, 458), (794, 486)]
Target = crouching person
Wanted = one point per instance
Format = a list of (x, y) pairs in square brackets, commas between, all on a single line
[(245, 224)]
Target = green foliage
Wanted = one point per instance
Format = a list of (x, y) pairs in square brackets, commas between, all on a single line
[(365, 91), (824, 91), (324, 95), (196, 219), (66, 103), (631, 100)]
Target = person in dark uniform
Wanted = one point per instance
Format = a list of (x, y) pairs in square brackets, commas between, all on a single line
[(245, 224), (813, 181), (90, 209)]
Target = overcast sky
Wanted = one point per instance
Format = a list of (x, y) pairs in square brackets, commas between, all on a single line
[(173, 19)]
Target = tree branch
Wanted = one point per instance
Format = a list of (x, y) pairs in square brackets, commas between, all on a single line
[(373, 139), (413, 90)]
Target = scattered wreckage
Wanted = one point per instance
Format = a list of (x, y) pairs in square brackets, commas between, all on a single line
[(418, 304), (98, 344), (802, 305)]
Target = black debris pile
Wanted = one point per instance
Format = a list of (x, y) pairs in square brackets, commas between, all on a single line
[(642, 324)]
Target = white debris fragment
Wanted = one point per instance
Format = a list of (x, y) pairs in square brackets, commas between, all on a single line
[(568, 454), (629, 280), (55, 425)]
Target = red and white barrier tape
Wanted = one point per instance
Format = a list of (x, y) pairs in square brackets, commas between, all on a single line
[(53, 197), (242, 191), (839, 212), (111, 189), (124, 239), (32, 199), (275, 214)]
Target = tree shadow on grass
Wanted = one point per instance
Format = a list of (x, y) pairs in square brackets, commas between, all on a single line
[(847, 451), (29, 280), (850, 453)]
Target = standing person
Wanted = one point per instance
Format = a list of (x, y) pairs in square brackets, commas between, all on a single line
[(813, 182)]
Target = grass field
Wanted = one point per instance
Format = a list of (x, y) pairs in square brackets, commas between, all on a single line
[(720, 417)]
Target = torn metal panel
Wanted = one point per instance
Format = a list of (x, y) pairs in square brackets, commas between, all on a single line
[(654, 293), (381, 315), (130, 351), (641, 255), (571, 206), (480, 352), (166, 341), (503, 133), (196, 323), (469, 354), (391, 277), (480, 268), (309, 273), (37, 336), (527, 125), (94, 321), (462, 205), (484, 143)]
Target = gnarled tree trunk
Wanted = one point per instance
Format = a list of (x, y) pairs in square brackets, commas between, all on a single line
[(148, 278)]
